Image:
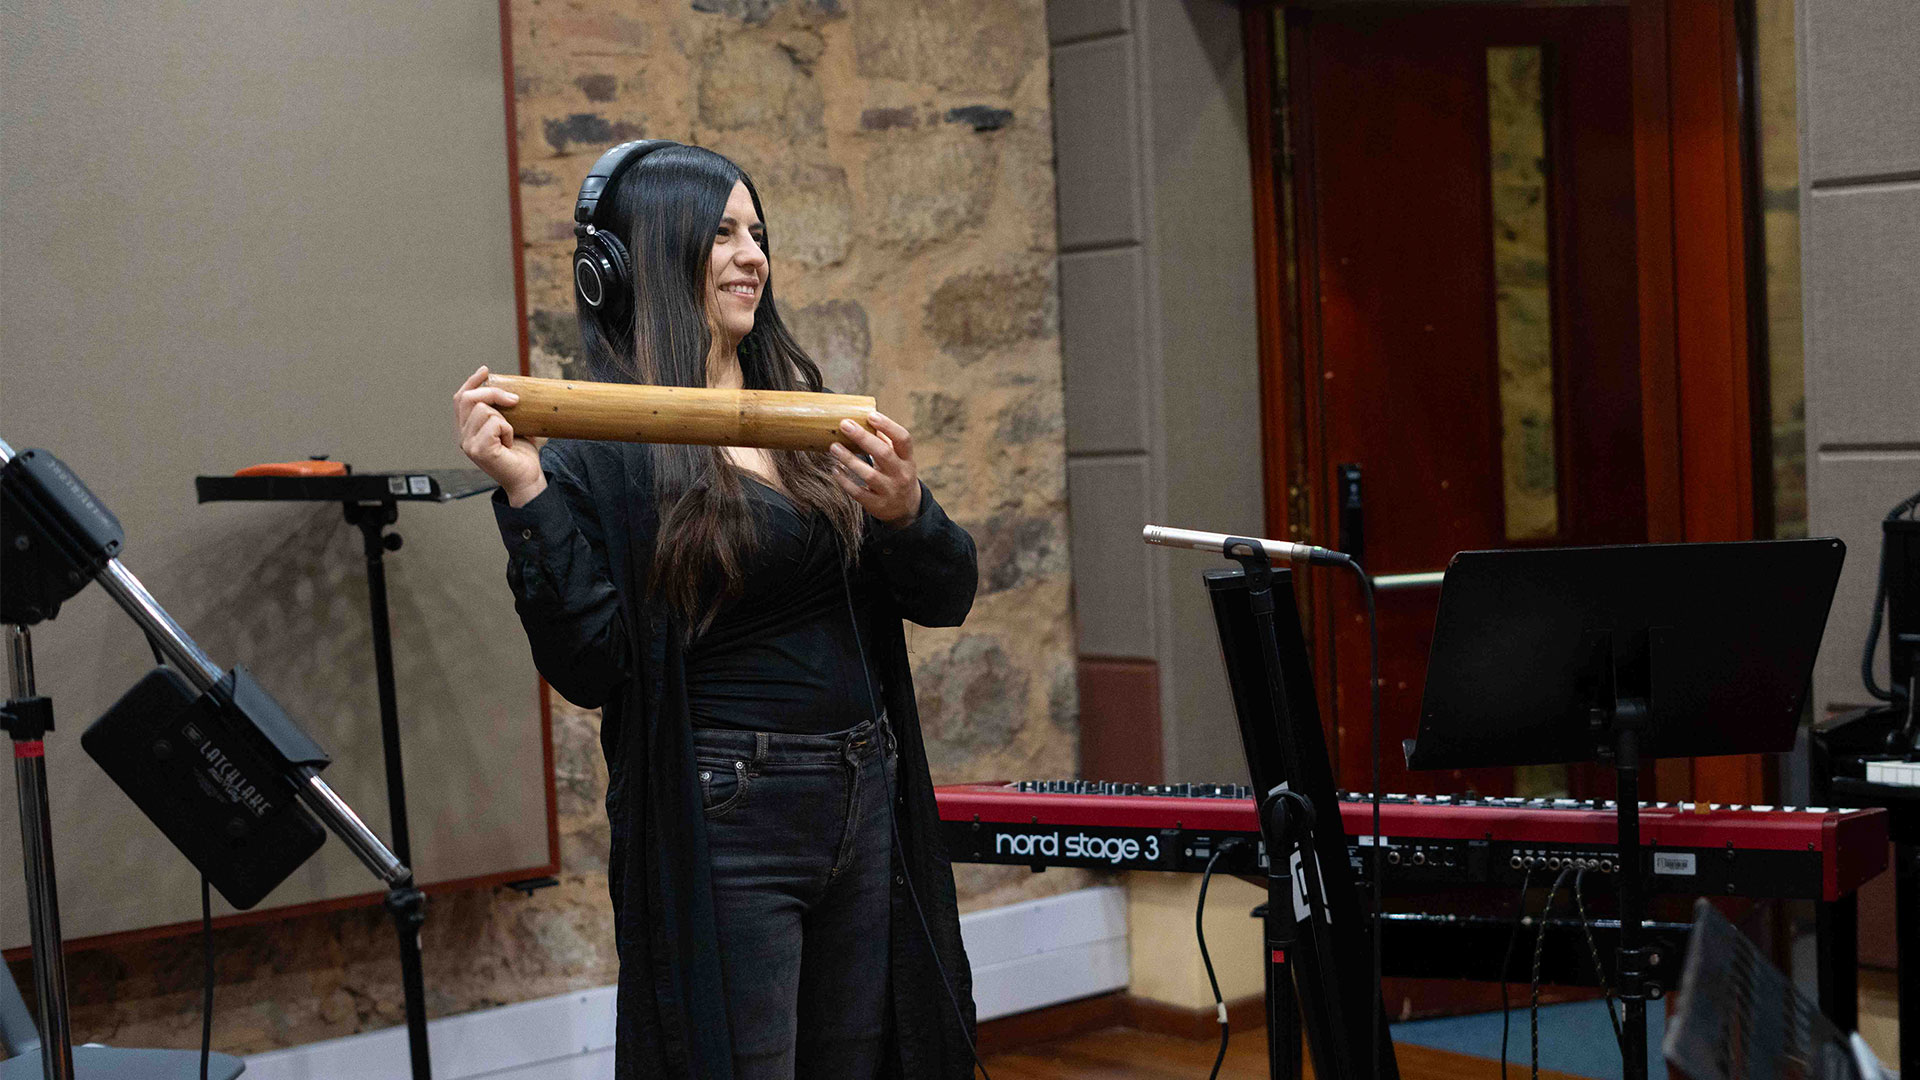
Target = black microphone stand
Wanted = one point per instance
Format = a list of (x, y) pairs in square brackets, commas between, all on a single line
[(67, 539), (404, 902), (26, 719), (1286, 821)]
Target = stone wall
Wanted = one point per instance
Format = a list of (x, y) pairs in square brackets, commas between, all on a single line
[(904, 155)]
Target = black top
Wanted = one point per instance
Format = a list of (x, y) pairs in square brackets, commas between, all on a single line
[(783, 654), (602, 646)]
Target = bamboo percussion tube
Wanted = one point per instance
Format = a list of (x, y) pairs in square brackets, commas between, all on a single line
[(624, 412)]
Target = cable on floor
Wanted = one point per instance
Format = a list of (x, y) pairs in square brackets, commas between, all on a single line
[(1200, 931)]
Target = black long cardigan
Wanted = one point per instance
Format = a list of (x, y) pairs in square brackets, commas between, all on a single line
[(570, 551)]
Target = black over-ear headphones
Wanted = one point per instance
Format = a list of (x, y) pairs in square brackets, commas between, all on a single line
[(602, 268)]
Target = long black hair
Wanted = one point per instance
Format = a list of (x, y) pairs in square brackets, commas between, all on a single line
[(667, 208)]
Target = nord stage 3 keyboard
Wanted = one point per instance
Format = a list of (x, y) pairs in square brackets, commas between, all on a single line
[(1807, 853)]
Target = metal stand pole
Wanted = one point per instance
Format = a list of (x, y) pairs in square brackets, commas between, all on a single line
[(373, 520), (1632, 967), (1284, 1056), (1906, 902), (28, 718), (405, 903), (1836, 923)]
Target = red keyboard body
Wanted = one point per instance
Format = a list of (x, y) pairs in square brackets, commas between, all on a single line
[(1812, 853)]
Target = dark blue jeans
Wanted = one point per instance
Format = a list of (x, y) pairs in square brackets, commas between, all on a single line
[(799, 828)]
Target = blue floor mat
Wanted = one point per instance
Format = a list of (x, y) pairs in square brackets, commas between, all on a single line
[(1574, 1038)]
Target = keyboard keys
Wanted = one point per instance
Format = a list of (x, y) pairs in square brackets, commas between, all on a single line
[(1897, 773)]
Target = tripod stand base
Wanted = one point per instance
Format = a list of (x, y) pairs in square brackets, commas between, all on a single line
[(114, 1063)]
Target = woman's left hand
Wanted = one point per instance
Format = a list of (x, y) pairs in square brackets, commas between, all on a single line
[(890, 487)]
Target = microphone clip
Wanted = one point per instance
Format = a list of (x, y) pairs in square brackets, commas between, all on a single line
[(1253, 558)]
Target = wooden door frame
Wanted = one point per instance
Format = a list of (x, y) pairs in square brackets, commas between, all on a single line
[(1693, 192)]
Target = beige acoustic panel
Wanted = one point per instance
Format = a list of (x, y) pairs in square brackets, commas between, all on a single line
[(1096, 143), (1103, 348), (1849, 494), (238, 231), (1075, 20), (1860, 89), (1862, 294), (1107, 505)]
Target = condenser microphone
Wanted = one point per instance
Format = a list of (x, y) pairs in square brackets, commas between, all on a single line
[(1279, 551)]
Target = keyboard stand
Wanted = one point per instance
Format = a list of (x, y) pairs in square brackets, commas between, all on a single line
[(1623, 655)]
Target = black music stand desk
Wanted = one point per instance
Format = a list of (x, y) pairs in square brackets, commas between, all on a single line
[(371, 501), (1617, 654)]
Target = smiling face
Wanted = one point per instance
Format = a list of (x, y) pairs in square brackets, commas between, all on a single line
[(737, 273)]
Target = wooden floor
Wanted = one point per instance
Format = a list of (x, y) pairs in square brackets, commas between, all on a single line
[(1126, 1054)]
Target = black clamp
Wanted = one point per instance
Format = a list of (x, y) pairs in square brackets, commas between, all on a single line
[(27, 719), (408, 905), (1635, 967)]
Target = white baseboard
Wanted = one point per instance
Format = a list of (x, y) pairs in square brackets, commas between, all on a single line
[(566, 1037), (1025, 956), (1042, 952)]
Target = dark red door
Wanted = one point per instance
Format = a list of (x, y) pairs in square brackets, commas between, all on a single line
[(1464, 186)]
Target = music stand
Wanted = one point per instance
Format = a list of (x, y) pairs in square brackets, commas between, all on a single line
[(371, 501), (1737, 1017), (1616, 654), (1314, 920)]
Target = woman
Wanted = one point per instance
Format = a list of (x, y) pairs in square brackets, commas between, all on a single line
[(781, 902)]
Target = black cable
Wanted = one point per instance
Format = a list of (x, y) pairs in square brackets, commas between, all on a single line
[(1586, 927), (1539, 944), (846, 590), (934, 950), (893, 821), (1379, 877), (206, 995), (206, 933), (1200, 931), (1905, 507), (1506, 965)]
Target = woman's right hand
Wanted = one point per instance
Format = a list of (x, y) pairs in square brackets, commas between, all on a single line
[(489, 442)]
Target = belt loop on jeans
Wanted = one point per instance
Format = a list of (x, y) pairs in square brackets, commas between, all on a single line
[(762, 740)]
